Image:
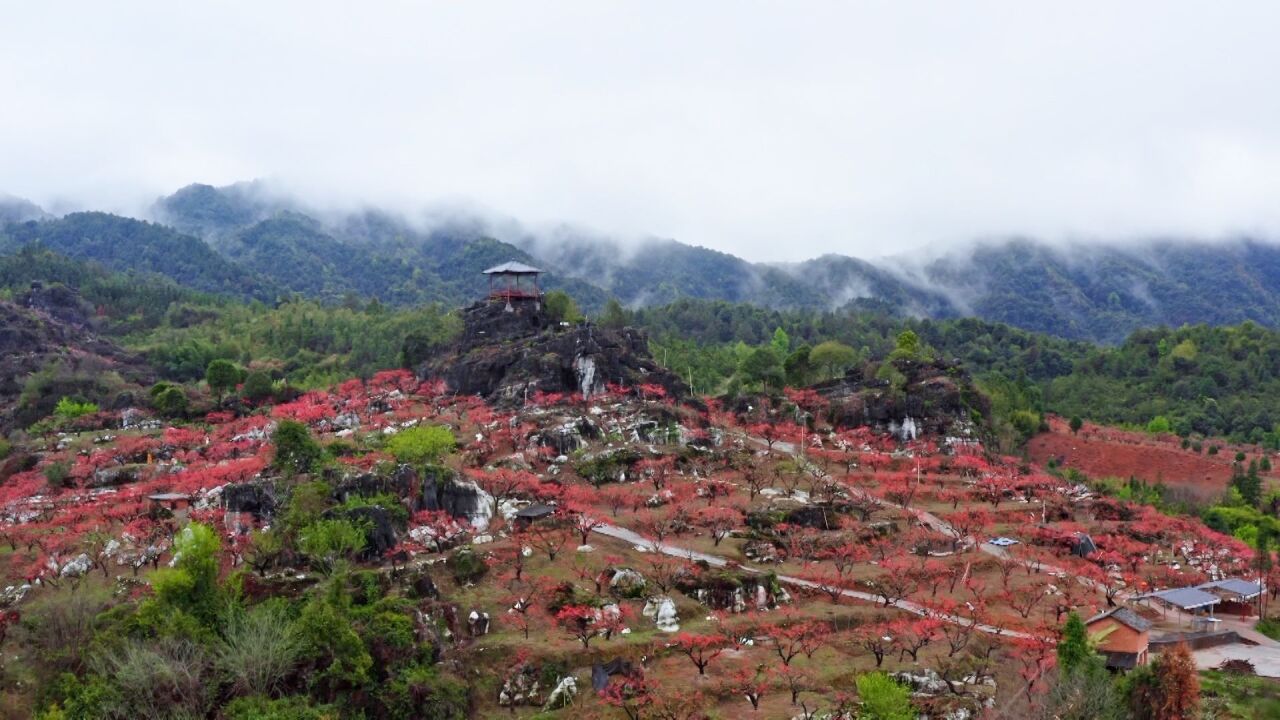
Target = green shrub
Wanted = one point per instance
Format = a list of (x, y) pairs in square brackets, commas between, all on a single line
[(342, 448), (883, 698), (191, 585), (81, 698), (389, 636), (466, 566), (329, 542), (58, 473), (395, 509), (169, 399), (258, 386), (422, 693), (422, 444), (258, 649), (1269, 627), (561, 308), (221, 376), (330, 643), (1025, 422), (70, 409), (296, 450), (286, 708), (306, 503)]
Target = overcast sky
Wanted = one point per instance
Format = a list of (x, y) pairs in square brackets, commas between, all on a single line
[(771, 130)]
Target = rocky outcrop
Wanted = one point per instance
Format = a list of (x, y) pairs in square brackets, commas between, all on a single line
[(258, 498), (48, 329), (912, 399), (507, 357), (734, 591), (626, 583), (460, 498), (601, 672), (58, 302), (939, 698), (562, 694), (663, 611), (522, 687), (115, 476), (403, 482), (379, 529)]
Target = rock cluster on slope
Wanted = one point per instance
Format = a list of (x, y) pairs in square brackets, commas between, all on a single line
[(508, 356), (50, 326), (936, 398)]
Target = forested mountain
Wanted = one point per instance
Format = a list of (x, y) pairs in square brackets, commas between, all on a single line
[(125, 244), (1088, 291), (14, 210), (368, 253), (1104, 293), (248, 241), (211, 213)]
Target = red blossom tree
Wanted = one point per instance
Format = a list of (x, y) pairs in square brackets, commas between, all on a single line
[(718, 521), (582, 622), (792, 636), (658, 523), (617, 497), (911, 635), (1035, 656), (894, 582), (875, 638), (700, 649), (749, 682), (970, 523), (550, 535), (658, 470)]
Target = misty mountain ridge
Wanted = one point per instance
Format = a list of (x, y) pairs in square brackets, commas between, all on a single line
[(250, 241)]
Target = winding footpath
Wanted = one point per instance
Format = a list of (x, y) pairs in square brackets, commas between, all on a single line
[(640, 541)]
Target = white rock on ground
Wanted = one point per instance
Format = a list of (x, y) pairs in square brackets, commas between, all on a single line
[(663, 611), (563, 694)]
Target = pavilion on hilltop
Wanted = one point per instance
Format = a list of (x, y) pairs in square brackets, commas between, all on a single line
[(514, 282)]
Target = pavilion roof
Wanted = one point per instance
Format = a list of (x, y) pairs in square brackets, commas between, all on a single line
[(512, 268)]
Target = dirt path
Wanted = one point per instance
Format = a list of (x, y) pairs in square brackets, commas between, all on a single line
[(635, 538)]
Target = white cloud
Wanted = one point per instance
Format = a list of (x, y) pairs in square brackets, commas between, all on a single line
[(774, 131)]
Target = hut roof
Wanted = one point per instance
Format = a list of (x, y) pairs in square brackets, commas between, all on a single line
[(1124, 616), (512, 268), (168, 496), (533, 512)]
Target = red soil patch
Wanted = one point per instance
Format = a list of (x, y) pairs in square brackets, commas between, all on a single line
[(1099, 451)]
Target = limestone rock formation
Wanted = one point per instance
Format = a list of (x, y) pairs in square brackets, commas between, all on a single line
[(49, 327), (663, 611), (934, 398), (507, 356)]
